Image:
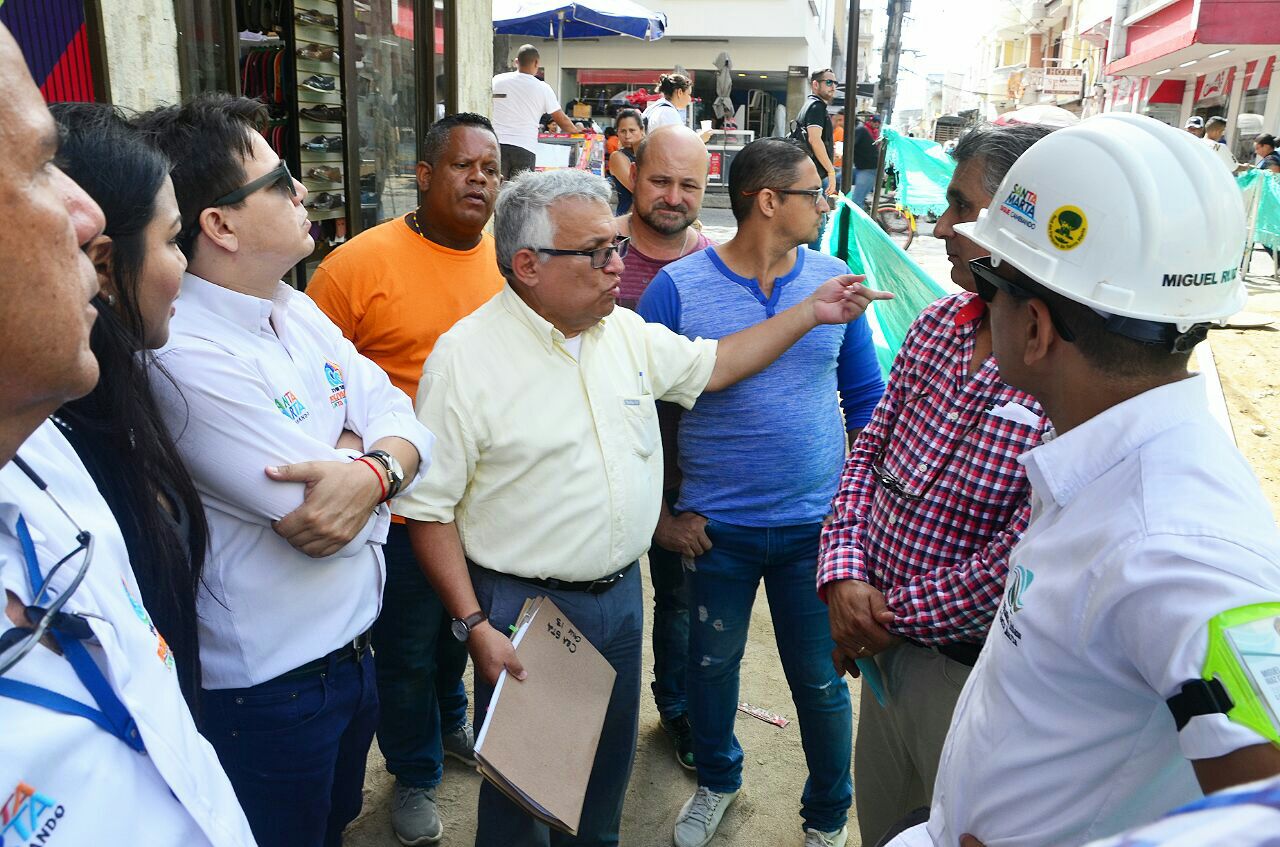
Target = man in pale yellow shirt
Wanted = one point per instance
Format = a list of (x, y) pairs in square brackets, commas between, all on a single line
[(547, 473)]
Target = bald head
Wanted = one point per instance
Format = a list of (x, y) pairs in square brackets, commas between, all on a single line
[(670, 176)]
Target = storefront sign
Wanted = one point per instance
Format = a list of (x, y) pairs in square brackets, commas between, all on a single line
[(1062, 80)]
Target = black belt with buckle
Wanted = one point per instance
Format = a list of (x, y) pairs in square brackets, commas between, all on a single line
[(353, 651), (592, 586), (964, 652)]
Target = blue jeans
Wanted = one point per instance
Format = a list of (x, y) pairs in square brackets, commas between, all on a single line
[(613, 621), (864, 183), (723, 592), (420, 667), (295, 750), (670, 629)]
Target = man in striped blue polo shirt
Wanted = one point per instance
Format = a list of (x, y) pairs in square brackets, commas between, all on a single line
[(760, 463)]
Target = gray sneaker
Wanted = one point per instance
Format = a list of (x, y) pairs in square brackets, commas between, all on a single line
[(815, 838), (414, 817), (461, 744), (700, 817)]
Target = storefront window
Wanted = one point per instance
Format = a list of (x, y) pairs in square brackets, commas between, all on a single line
[(387, 104), (207, 47)]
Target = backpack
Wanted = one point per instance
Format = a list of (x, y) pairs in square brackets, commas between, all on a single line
[(800, 132)]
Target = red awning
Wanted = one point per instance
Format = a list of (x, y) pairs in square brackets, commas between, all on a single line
[(617, 77)]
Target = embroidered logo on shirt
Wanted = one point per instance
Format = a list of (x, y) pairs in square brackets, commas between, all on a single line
[(29, 815), (162, 646), (337, 388), (291, 407), (1019, 583)]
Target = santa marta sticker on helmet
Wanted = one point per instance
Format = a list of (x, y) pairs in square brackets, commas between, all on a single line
[(1067, 227)]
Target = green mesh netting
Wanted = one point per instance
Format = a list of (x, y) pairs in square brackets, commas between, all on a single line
[(923, 172), (867, 249), (1265, 186)]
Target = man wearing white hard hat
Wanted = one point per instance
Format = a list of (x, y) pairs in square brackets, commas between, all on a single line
[(1133, 662)]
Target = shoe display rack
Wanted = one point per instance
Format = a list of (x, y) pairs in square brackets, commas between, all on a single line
[(321, 126)]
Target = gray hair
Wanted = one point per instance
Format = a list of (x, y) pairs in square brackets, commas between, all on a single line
[(522, 218), (997, 148)]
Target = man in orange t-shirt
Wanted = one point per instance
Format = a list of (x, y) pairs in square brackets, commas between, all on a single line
[(393, 291)]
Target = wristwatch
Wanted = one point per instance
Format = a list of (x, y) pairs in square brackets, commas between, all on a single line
[(395, 473), (462, 626)]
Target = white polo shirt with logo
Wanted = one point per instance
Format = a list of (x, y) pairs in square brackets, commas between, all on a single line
[(64, 781), (252, 383), (1146, 523)]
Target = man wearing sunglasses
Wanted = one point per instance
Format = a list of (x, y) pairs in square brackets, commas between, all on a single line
[(908, 602), (97, 745), (1111, 687), (548, 475), (759, 463), (296, 442)]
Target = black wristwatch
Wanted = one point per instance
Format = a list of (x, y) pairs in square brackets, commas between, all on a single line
[(462, 626), (395, 473)]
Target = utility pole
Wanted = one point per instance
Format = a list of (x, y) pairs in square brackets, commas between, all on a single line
[(889, 65), (850, 95)]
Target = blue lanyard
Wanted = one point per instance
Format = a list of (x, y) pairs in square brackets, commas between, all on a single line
[(1266, 796), (111, 714)]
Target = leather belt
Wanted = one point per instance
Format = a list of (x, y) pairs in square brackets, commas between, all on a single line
[(353, 651), (592, 586), (964, 652)]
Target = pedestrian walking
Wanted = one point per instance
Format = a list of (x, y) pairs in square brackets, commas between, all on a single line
[(520, 100), (669, 109)]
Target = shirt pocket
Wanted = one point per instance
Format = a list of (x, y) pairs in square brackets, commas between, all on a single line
[(641, 415), (985, 474)]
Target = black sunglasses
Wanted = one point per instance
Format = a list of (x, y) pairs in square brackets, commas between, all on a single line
[(988, 282), (600, 256), (278, 177)]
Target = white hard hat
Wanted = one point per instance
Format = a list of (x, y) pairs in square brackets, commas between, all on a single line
[(1126, 215)]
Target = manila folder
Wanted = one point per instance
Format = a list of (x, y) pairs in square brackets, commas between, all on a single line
[(539, 739)]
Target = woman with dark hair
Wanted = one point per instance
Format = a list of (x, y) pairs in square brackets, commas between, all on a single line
[(668, 110), (116, 429), (630, 129)]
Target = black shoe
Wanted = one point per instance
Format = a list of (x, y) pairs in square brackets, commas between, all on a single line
[(324, 144), (311, 17), (324, 114), (324, 201), (319, 82), (680, 732)]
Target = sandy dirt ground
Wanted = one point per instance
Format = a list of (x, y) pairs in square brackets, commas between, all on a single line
[(766, 812)]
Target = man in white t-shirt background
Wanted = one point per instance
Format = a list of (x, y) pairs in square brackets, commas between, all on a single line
[(520, 100)]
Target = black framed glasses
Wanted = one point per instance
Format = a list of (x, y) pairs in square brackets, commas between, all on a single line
[(278, 177), (600, 257), (818, 195), (830, 82), (988, 282), (898, 487)]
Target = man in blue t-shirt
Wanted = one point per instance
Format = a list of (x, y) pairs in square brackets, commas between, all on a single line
[(760, 464)]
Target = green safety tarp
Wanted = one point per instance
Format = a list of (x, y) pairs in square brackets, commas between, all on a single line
[(924, 171), (1266, 186), (867, 249)]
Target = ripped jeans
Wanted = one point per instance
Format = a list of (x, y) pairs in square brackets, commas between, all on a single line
[(722, 592)]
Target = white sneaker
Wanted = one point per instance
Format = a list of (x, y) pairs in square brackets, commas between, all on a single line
[(700, 816), (814, 838)]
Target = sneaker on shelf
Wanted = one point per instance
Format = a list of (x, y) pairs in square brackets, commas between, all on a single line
[(362, 7), (324, 144), (325, 173), (320, 82), (700, 817), (461, 743), (680, 732), (815, 838), (324, 114), (324, 201), (318, 53), (313, 17), (414, 817)]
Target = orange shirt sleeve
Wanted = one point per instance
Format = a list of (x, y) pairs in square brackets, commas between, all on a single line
[(334, 299)]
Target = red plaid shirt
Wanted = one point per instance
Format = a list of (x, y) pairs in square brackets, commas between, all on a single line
[(939, 555)]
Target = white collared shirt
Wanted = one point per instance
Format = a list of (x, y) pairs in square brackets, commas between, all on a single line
[(548, 461), (1146, 523), (273, 382), (62, 774)]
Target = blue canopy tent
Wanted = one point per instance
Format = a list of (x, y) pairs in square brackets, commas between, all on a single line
[(560, 20)]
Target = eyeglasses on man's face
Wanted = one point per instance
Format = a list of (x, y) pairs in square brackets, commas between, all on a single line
[(278, 177), (989, 281), (818, 196), (829, 82), (600, 256)]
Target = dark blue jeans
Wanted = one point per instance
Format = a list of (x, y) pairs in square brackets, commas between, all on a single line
[(614, 623), (295, 750), (723, 587), (420, 667), (670, 629)]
